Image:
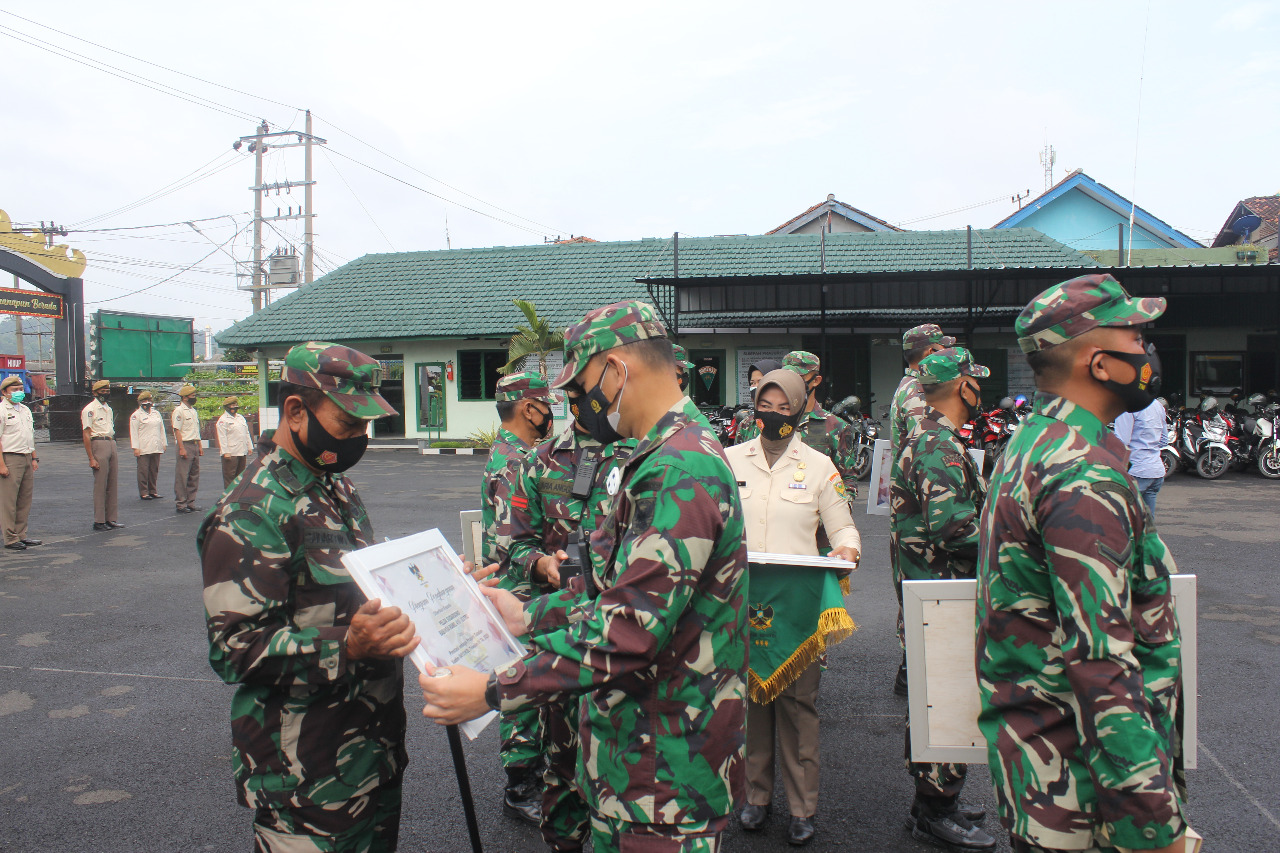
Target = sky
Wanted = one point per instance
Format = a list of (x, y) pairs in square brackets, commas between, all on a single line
[(511, 123)]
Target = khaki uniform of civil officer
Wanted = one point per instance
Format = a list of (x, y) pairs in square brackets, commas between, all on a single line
[(186, 434), (18, 444), (234, 441), (784, 519), (97, 421), (148, 440)]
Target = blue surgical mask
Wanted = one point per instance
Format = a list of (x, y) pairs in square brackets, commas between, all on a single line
[(18, 396)]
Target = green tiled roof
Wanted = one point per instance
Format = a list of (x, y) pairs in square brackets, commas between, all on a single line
[(468, 292)]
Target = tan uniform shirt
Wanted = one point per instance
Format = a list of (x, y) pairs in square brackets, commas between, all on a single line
[(17, 430), (186, 423), (233, 435), (146, 431), (783, 506), (98, 419)]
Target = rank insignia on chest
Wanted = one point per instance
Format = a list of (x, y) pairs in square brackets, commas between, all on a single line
[(760, 616), (797, 485), (519, 502)]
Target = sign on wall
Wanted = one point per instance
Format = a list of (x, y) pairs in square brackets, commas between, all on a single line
[(748, 357), (30, 303)]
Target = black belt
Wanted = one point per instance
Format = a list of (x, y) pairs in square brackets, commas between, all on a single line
[(102, 438), (16, 453)]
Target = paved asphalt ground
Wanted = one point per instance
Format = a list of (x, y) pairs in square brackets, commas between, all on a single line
[(115, 733)]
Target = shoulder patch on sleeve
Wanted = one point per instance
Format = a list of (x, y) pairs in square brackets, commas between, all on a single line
[(1104, 486)]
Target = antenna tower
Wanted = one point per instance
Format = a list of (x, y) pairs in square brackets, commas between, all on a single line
[(1047, 158)]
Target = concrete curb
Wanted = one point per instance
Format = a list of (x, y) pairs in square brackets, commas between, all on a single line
[(452, 451)]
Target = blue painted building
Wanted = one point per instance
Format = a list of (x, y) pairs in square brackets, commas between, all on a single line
[(1085, 214)]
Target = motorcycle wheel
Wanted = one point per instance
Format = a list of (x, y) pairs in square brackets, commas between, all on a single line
[(1213, 463), (1269, 462), (862, 466), (1170, 464)]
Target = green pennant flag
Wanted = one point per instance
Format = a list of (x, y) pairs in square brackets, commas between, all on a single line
[(794, 613)]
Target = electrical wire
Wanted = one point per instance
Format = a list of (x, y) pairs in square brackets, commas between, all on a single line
[(435, 195), (203, 173), (175, 275), (158, 225), (949, 212), (152, 64), (351, 190), (129, 76), (543, 225)]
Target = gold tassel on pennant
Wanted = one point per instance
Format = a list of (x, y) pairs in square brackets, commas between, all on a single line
[(834, 626)]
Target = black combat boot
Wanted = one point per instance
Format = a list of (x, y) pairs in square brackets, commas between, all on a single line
[(943, 824), (522, 798)]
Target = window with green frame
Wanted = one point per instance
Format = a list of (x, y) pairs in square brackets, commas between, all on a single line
[(431, 408), (478, 373)]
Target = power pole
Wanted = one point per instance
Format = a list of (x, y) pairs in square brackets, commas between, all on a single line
[(258, 144), (308, 233)]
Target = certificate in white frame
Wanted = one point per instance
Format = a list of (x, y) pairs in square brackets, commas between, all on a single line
[(881, 469), (940, 618), (805, 560), (423, 576)]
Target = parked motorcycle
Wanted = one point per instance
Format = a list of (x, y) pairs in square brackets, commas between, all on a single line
[(865, 432), (1261, 428), (1204, 439)]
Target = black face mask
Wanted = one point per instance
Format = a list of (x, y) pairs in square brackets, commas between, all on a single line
[(1138, 394), (971, 410), (146, 407), (775, 426), (102, 398), (591, 413), (544, 428), (324, 452), (684, 381)]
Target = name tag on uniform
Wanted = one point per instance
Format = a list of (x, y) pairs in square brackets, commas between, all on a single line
[(327, 538), (797, 485), (558, 488)]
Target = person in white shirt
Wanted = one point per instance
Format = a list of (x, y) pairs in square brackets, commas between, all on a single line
[(234, 442), (186, 434), (98, 428), (147, 438), (18, 464)]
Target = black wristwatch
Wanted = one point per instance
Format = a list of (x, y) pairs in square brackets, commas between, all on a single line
[(491, 691)]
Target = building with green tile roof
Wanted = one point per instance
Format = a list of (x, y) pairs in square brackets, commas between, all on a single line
[(440, 320)]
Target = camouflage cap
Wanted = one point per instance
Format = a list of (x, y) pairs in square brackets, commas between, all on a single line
[(186, 390), (231, 401), (144, 397), (348, 377), (523, 386), (1070, 309), (10, 380), (102, 385), (682, 357), (950, 363), (799, 361), (923, 336), (604, 329)]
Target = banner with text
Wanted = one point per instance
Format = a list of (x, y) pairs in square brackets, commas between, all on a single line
[(30, 303)]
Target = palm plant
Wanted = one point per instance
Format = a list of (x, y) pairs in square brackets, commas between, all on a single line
[(535, 339)]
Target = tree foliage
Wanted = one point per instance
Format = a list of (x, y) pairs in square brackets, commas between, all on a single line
[(536, 339)]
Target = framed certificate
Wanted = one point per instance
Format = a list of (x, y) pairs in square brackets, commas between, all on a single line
[(805, 560), (939, 618), (423, 576)]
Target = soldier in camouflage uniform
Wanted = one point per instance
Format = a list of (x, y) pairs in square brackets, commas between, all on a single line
[(824, 432), (683, 367), (905, 410), (1078, 646), (317, 722), (936, 494), (524, 407), (659, 652), (551, 508)]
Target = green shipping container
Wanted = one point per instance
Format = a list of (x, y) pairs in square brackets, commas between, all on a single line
[(142, 346)]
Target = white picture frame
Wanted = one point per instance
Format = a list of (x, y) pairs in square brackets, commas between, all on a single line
[(804, 560), (878, 486), (472, 521), (939, 618), (423, 576)]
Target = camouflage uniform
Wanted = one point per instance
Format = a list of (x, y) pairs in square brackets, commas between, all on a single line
[(936, 494), (1078, 646), (318, 740), (659, 654), (905, 410), (545, 517), (520, 733)]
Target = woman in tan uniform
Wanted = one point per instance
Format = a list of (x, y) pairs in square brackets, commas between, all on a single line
[(787, 489)]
